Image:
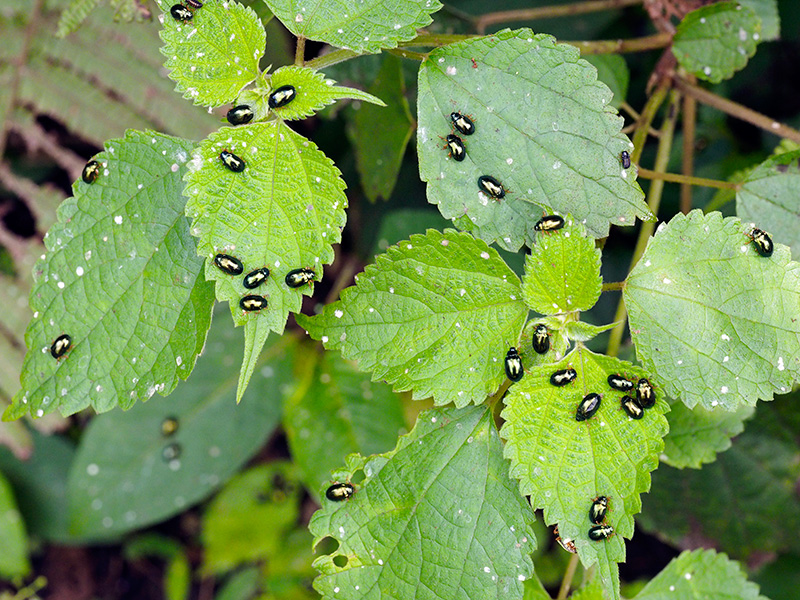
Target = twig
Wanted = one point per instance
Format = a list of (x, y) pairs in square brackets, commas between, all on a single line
[(645, 120), (737, 110), (648, 42), (546, 12), (688, 180), (687, 158), (566, 582), (331, 58), (300, 51), (403, 53), (613, 286)]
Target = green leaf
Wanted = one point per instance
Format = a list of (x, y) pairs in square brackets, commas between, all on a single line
[(288, 573), (563, 464), (767, 11), (754, 481), (250, 517), (314, 92), (700, 575), (696, 435), (716, 321), (562, 272), (40, 486), (128, 474), (215, 55), (768, 197), (367, 28), (283, 212), (780, 579), (380, 135), (73, 15), (591, 591), (543, 128), (613, 71), (713, 42), (534, 590), (177, 574), (458, 523), (436, 314), (14, 557), (122, 279), (242, 585), (335, 411), (583, 332)]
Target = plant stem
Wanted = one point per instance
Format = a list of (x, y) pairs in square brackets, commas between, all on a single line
[(630, 110), (403, 53), (648, 42), (331, 58), (737, 110), (688, 180), (300, 51), (687, 158), (568, 575), (613, 286), (435, 39), (653, 202), (717, 202), (546, 12), (645, 121)]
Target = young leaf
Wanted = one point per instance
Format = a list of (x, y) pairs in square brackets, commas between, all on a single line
[(563, 464), (754, 481), (134, 469), (700, 575), (334, 411), (314, 92), (562, 272), (215, 54), (249, 519), (123, 280), (440, 504), (366, 29), (435, 314), (697, 435), (713, 42), (768, 197), (716, 321), (73, 15), (283, 212), (380, 135), (14, 561), (583, 332), (544, 130)]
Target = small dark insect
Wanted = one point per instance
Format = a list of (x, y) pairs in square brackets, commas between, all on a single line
[(239, 115), (171, 452), (600, 532), (761, 240), (340, 491), (194, 3), (255, 278), (180, 13), (563, 377), (456, 146), (549, 223), (597, 512), (90, 172), (253, 303), (228, 264), (463, 123), (541, 339), (645, 394), (233, 162), (566, 543), (626, 159), (169, 426), (632, 407), (299, 277), (618, 382), (60, 346), (474, 64), (514, 368), (588, 406), (282, 96), (491, 186)]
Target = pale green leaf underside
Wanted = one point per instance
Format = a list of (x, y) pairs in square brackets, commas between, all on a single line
[(700, 575), (768, 198), (436, 314), (583, 332), (716, 321), (767, 11), (613, 71), (314, 92), (697, 435), (455, 529), (215, 55), (125, 475), (543, 128), (713, 42), (283, 212), (123, 279), (562, 272), (563, 463), (335, 410), (365, 27)]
